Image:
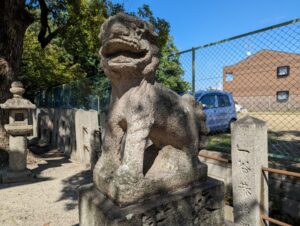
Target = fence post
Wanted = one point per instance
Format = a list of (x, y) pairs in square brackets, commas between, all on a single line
[(249, 147), (63, 97), (193, 71)]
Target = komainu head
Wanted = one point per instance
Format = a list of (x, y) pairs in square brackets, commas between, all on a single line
[(128, 48)]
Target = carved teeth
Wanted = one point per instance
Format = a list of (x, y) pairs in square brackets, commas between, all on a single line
[(120, 47)]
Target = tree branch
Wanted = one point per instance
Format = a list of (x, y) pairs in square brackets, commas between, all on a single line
[(47, 40), (43, 38), (44, 22)]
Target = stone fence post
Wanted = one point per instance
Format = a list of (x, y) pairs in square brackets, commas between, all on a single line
[(249, 146)]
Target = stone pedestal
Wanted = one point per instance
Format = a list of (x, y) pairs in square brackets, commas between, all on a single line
[(17, 153), (17, 171), (198, 204), (16, 176)]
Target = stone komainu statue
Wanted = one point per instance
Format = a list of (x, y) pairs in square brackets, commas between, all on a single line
[(152, 135)]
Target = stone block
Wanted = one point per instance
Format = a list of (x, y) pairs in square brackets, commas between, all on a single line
[(87, 126), (45, 127), (17, 153), (65, 130), (219, 170), (249, 154), (170, 170), (199, 204)]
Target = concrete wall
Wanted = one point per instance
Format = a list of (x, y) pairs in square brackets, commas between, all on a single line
[(268, 103), (284, 192), (57, 127)]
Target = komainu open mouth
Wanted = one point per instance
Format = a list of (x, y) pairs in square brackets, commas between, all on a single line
[(122, 51)]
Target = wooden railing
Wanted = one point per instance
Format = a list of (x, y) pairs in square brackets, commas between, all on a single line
[(267, 218), (214, 157), (282, 172), (264, 169)]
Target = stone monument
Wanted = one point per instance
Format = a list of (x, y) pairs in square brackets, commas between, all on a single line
[(249, 149), (149, 172), (18, 130)]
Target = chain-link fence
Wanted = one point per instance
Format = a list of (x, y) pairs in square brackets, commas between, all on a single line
[(89, 93), (261, 70)]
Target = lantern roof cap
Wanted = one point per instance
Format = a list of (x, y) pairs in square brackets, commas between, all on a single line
[(17, 101)]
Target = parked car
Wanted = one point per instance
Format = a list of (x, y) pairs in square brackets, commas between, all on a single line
[(219, 108)]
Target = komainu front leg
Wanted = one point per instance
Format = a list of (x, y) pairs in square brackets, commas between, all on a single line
[(136, 140), (110, 160)]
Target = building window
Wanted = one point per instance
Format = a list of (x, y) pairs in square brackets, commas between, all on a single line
[(283, 71), (282, 96), (229, 77)]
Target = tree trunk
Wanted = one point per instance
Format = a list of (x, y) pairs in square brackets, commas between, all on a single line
[(14, 20)]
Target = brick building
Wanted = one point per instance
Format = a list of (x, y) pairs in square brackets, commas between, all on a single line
[(266, 81)]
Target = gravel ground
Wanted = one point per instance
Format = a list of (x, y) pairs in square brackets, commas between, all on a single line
[(50, 199)]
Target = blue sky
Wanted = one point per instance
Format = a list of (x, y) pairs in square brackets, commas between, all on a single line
[(197, 22)]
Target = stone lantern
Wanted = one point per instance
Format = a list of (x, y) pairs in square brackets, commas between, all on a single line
[(18, 130)]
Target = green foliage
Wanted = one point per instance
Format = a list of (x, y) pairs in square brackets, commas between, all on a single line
[(73, 53), (48, 67), (169, 71), (56, 9), (80, 38), (161, 26)]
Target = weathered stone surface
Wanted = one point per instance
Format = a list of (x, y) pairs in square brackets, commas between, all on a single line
[(87, 135), (249, 149), (171, 170), (149, 172), (147, 123), (17, 102), (201, 204), (75, 132), (64, 130), (18, 129), (44, 125), (17, 153), (219, 170)]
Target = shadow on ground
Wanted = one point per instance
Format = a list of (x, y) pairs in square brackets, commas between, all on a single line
[(70, 189), (71, 184), (36, 154), (3, 158)]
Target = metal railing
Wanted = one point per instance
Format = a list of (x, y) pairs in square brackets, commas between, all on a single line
[(88, 93)]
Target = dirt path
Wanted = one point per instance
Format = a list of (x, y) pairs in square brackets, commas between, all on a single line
[(50, 199)]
